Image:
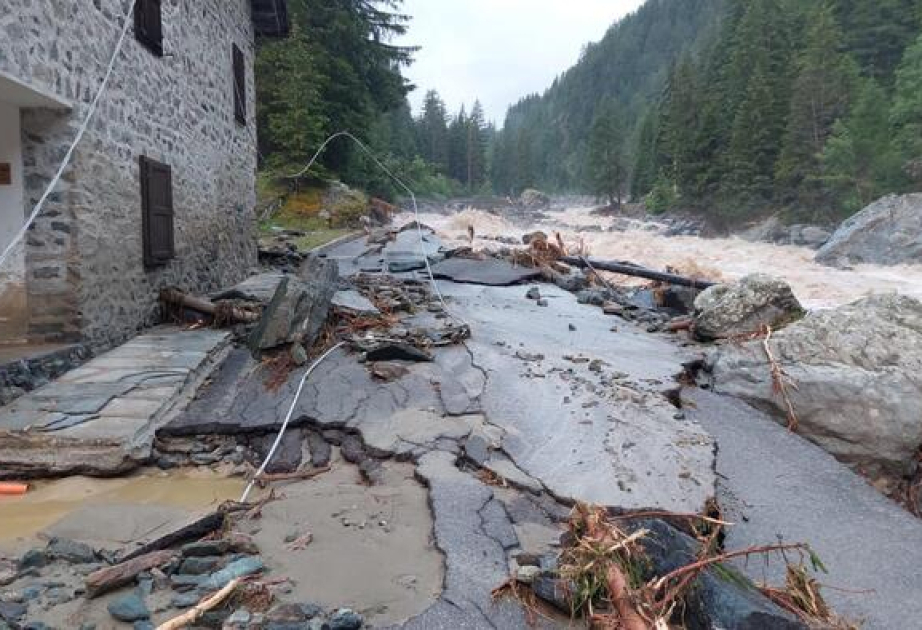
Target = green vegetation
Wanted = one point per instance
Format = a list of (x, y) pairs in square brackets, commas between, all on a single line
[(735, 108)]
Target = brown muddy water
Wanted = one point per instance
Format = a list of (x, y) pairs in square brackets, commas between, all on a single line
[(50, 506), (719, 259)]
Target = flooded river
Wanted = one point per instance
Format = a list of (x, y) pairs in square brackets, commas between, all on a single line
[(817, 286)]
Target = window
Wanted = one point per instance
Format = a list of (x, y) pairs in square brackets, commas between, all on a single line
[(148, 25), (240, 86), (156, 212)]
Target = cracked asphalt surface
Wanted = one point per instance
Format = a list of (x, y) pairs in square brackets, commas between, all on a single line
[(564, 407)]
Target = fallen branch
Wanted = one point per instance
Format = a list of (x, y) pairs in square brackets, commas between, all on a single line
[(780, 381), (110, 578), (629, 269), (194, 614), (235, 314), (303, 474), (697, 567), (193, 531)]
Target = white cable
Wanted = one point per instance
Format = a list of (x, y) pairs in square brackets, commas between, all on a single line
[(291, 411), (82, 130), (419, 229)]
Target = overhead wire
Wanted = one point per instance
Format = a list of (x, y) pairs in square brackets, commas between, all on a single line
[(328, 353)]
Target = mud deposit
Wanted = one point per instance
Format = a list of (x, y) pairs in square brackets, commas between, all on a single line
[(370, 548)]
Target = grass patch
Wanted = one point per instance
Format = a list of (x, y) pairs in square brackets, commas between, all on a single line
[(320, 237)]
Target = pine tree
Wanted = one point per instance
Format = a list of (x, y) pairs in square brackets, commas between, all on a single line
[(433, 131), (762, 55), (457, 146), (476, 147), (820, 98), (645, 164), (859, 161), (608, 174), (907, 112)]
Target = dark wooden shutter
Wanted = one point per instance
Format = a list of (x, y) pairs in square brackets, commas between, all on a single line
[(240, 89), (156, 212), (148, 25)]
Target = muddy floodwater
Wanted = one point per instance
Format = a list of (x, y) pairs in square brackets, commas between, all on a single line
[(53, 506), (815, 285)]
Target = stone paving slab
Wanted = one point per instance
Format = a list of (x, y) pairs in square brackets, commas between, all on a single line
[(100, 418)]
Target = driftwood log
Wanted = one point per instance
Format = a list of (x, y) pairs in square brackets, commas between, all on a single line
[(177, 297), (110, 578), (630, 269), (193, 531)]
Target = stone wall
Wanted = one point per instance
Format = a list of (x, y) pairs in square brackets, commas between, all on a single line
[(86, 276)]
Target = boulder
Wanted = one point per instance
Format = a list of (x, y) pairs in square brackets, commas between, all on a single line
[(856, 369), (728, 310), (888, 232), (298, 309), (535, 200)]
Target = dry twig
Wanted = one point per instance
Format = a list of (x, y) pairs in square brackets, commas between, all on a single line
[(780, 381)]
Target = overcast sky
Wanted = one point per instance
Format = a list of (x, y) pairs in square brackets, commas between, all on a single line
[(500, 50)]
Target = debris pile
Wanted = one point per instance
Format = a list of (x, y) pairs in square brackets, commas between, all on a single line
[(659, 570)]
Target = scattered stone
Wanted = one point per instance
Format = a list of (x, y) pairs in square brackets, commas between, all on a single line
[(200, 565), (186, 600), (354, 302), (372, 472), (346, 619), (596, 365), (12, 611), (554, 591), (612, 308), (205, 548), (237, 569), (129, 608), (33, 559), (388, 372), (143, 625), (298, 354), (527, 574), (352, 450), (534, 293), (239, 619), (888, 232), (572, 327), (9, 571), (543, 302), (745, 307)]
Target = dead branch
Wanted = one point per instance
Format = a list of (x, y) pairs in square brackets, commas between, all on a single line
[(110, 578), (780, 381), (303, 474), (696, 567), (194, 614), (177, 297)]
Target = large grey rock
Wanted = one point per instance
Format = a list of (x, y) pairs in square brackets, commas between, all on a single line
[(888, 232), (856, 368), (727, 310), (299, 307)]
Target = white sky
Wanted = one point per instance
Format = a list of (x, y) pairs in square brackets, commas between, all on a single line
[(500, 50)]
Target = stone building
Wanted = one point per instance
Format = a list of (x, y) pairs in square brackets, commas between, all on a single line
[(160, 191)]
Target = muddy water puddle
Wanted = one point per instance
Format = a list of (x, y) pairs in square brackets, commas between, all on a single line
[(50, 503)]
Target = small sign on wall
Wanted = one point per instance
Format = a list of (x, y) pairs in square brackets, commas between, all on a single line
[(6, 174)]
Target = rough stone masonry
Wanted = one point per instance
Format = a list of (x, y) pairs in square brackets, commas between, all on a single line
[(85, 273)]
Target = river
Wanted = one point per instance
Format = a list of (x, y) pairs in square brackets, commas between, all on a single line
[(720, 259)]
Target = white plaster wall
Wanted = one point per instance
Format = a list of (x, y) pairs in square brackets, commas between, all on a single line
[(12, 210)]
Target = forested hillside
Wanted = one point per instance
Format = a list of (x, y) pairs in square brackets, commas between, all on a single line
[(733, 108), (545, 140), (339, 71)]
